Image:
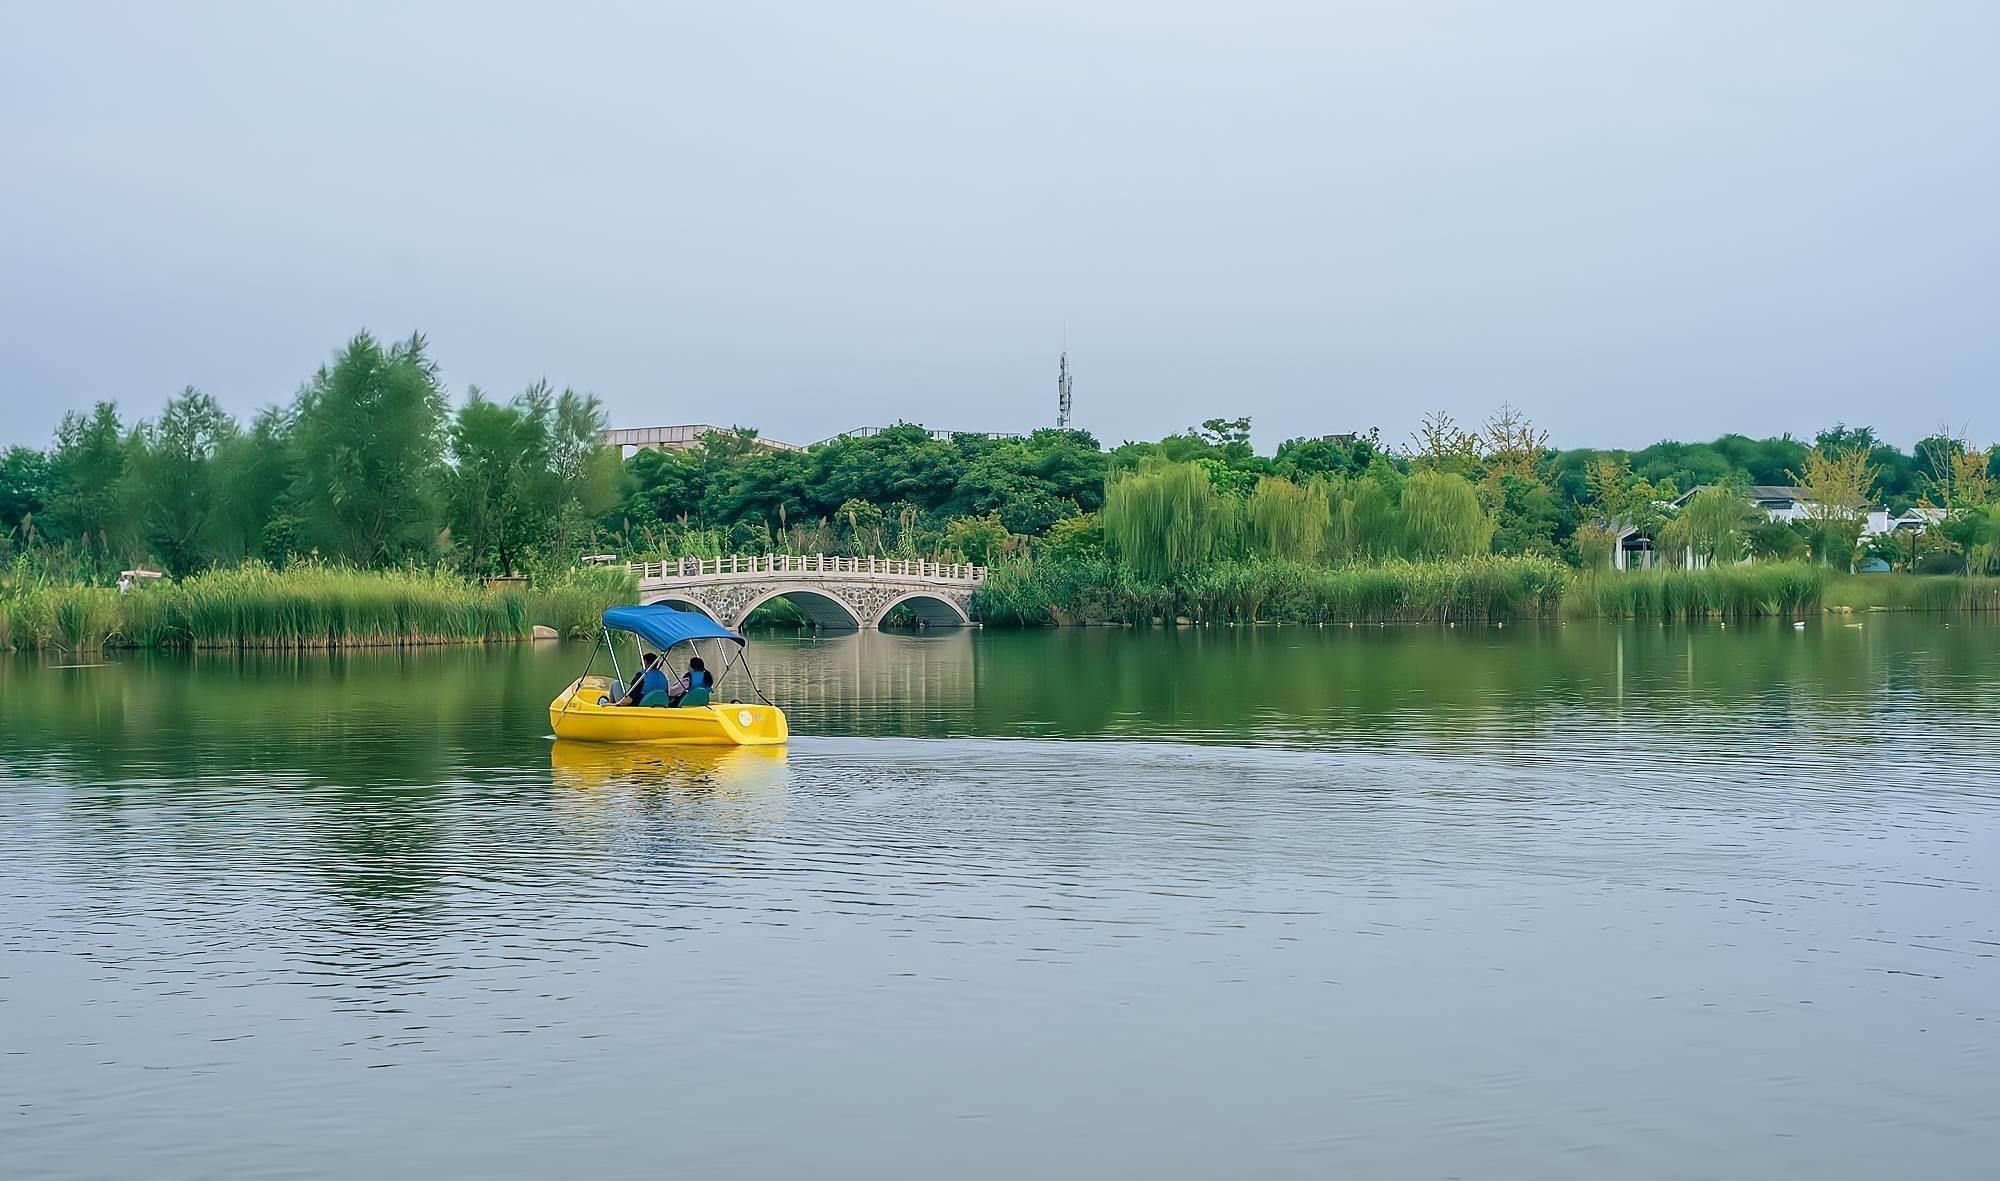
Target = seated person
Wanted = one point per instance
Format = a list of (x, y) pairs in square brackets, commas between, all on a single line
[(698, 677), (652, 680)]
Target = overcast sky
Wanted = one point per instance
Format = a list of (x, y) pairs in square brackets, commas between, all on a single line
[(1632, 220)]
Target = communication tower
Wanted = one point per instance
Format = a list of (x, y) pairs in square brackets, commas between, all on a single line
[(1064, 404)]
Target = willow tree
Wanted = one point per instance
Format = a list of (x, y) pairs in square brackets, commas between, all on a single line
[(1365, 525), (1719, 519), (1442, 517), (1166, 518), (1287, 521)]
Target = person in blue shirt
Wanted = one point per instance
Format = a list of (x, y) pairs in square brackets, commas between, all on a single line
[(698, 677), (652, 680)]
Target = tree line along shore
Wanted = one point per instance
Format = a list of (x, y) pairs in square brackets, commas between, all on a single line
[(371, 507)]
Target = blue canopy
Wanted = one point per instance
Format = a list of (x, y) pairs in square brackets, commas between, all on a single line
[(663, 627)]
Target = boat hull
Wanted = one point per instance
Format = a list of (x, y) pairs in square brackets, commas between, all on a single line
[(576, 715)]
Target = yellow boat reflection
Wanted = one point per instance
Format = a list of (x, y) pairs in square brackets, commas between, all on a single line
[(732, 770)]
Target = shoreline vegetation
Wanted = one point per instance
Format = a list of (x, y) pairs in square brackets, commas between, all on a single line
[(1473, 590), (312, 607), (376, 508), (305, 607)]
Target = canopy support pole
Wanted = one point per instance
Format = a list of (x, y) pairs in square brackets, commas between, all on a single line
[(616, 672), (585, 675), (726, 658), (752, 676)]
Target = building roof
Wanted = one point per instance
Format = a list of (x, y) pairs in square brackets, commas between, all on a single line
[(1757, 492), (1776, 492)]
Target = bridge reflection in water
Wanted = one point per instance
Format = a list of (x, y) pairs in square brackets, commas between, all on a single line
[(872, 683)]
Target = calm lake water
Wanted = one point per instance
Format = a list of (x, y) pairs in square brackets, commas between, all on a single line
[(1569, 902)]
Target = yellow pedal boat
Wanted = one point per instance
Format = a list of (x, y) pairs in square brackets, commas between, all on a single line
[(585, 711)]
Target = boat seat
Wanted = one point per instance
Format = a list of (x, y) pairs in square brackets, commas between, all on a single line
[(657, 699), (694, 697)]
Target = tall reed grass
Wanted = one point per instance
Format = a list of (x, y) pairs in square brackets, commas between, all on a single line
[(1782, 588), (1254, 590), (305, 606), (65, 618), (1096, 590), (573, 602), (1912, 592)]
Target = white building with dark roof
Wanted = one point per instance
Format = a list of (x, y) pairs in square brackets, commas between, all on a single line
[(1782, 502)]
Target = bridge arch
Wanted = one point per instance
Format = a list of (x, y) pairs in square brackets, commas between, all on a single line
[(841, 592), (931, 610), (825, 610), (682, 603)]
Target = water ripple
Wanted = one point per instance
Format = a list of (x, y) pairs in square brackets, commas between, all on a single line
[(1636, 904)]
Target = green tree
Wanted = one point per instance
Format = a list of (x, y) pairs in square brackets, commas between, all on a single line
[(256, 478), (370, 442), (1714, 524), (1623, 497), (665, 486), (1075, 539), (501, 488), (587, 479), (1593, 544), (1442, 516), (86, 500), (860, 524), (1775, 541), (1222, 445), (1165, 519), (1304, 460), (1528, 516), (981, 539), (1976, 532), (1366, 524), (1287, 521), (179, 490), (1441, 445), (1839, 487), (24, 490), (901, 462)]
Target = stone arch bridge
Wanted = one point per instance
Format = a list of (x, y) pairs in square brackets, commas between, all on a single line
[(834, 592)]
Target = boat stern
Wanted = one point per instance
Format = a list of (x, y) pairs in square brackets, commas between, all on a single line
[(752, 725)]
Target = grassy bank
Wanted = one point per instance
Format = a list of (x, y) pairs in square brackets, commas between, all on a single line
[(1780, 589), (1051, 592), (1912, 592), (255, 606)]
